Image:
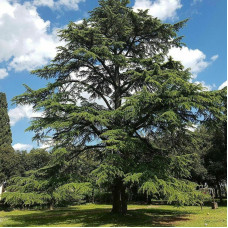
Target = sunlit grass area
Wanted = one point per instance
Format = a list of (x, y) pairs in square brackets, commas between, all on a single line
[(99, 215)]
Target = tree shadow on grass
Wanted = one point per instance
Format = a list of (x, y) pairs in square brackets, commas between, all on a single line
[(99, 217)]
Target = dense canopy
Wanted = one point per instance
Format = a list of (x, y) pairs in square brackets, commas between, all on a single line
[(115, 90)]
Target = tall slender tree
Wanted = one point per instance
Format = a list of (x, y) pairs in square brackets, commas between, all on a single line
[(115, 88), (7, 158), (5, 131)]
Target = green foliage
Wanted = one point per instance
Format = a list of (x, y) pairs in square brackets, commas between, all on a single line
[(216, 156), (73, 192), (16, 163), (25, 199), (181, 192), (8, 163), (211, 147), (133, 178), (8, 159), (36, 159), (53, 184), (107, 173), (5, 131), (30, 191), (136, 95)]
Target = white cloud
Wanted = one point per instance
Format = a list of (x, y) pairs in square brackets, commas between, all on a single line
[(22, 111), (47, 144), (163, 9), (78, 22), (49, 3), (192, 127), (205, 86), (214, 57), (196, 1), (191, 58), (224, 84), (20, 146), (24, 38), (68, 4), (3, 73)]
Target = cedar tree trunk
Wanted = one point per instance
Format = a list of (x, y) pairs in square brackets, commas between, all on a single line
[(119, 197)]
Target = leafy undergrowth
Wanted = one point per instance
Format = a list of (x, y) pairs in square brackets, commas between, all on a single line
[(99, 215)]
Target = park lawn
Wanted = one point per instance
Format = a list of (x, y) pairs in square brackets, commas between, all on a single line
[(99, 215)]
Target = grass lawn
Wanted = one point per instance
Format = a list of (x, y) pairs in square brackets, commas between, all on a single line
[(99, 215)]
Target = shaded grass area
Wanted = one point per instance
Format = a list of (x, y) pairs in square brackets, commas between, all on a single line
[(99, 215)]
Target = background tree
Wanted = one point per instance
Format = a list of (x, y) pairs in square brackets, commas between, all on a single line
[(5, 131), (32, 160), (36, 159), (8, 160), (216, 157), (212, 147), (199, 148), (118, 59)]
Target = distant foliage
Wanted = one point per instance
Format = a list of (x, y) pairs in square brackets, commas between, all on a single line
[(210, 165)]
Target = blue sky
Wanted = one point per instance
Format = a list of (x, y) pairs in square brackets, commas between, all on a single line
[(28, 40)]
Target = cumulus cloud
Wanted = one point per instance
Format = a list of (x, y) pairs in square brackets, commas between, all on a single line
[(224, 84), (25, 40), (22, 111), (3, 73), (163, 9), (20, 146), (68, 4), (191, 58)]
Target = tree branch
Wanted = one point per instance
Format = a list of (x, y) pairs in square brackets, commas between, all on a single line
[(95, 90)]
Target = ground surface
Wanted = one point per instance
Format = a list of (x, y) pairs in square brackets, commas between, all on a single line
[(99, 215)]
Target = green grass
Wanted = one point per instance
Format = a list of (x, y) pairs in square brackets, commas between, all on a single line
[(99, 215)]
